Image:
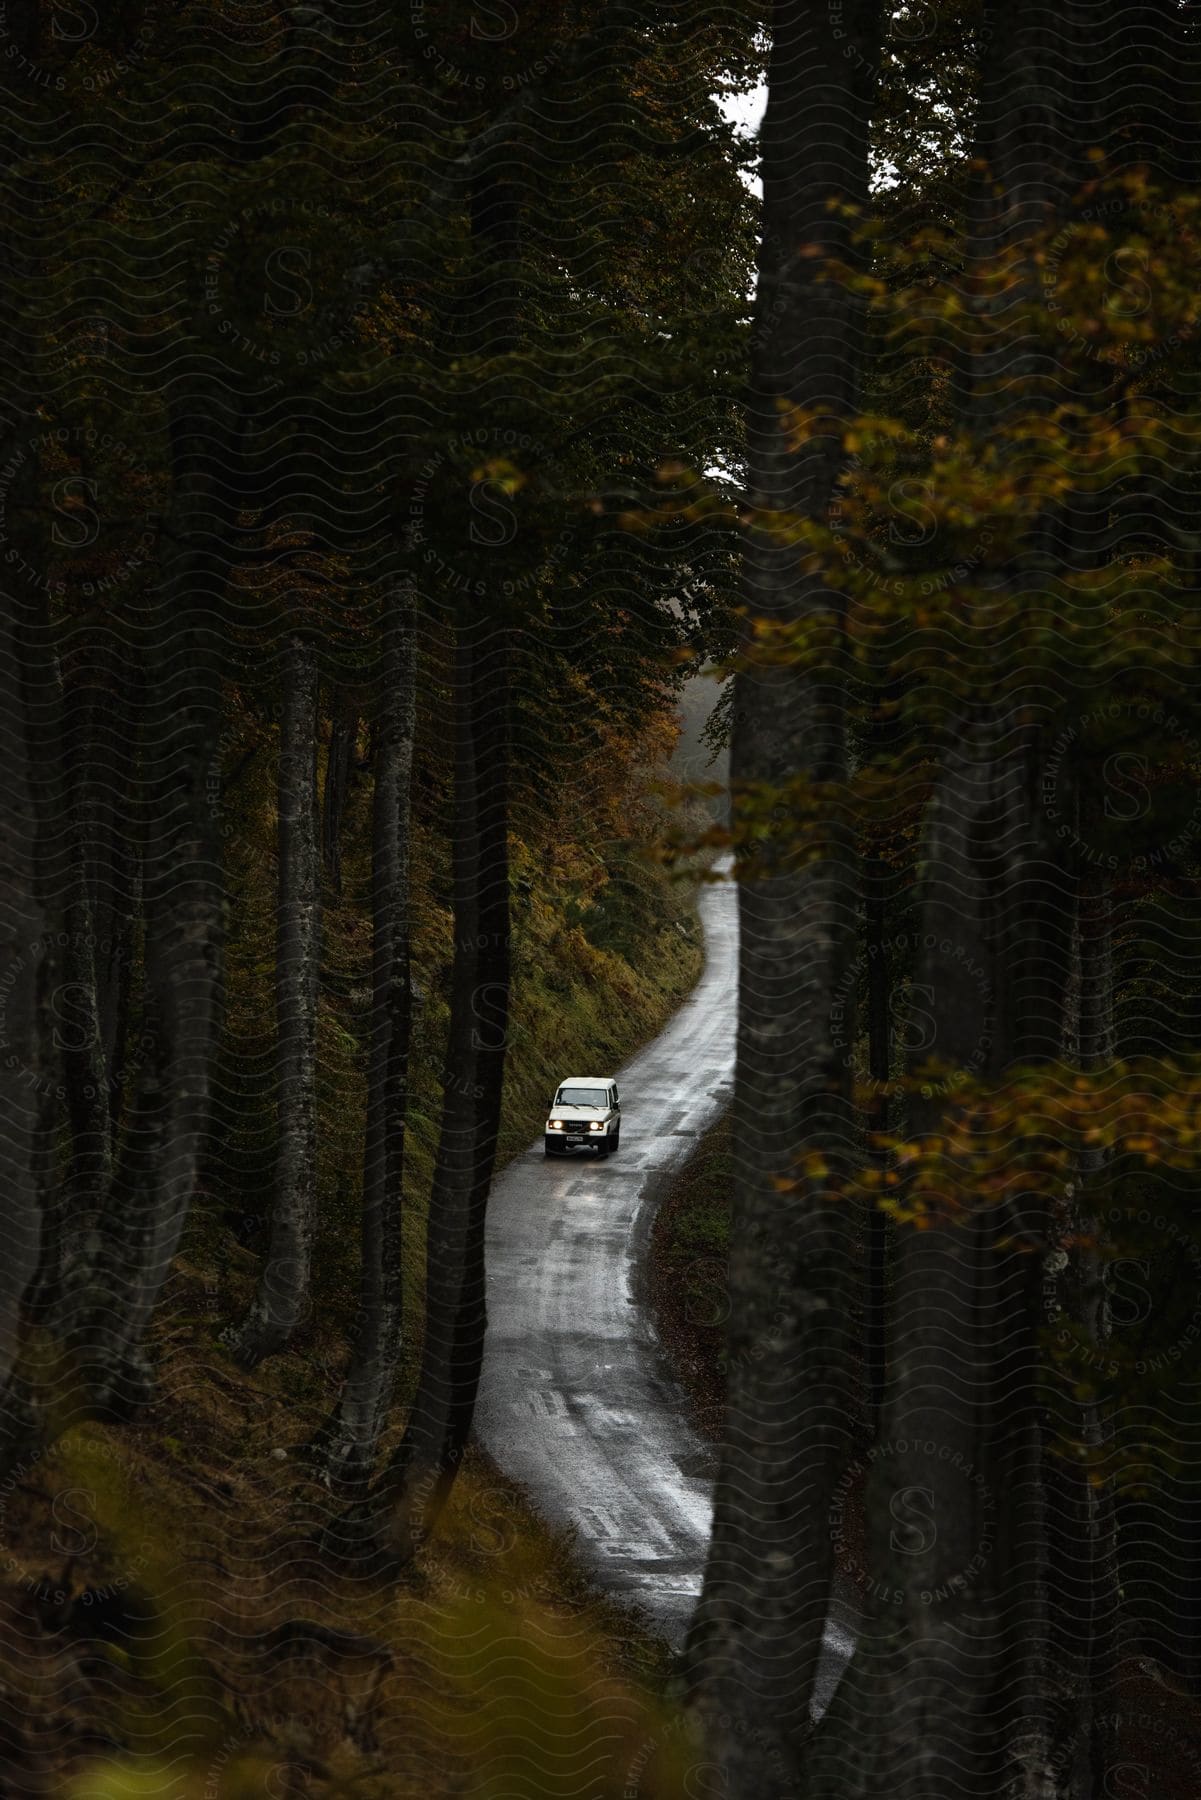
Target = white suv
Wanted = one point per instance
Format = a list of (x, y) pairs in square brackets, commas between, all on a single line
[(585, 1111)]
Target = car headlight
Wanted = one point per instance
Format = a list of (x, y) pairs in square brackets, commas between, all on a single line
[(554, 1124), (596, 1125)]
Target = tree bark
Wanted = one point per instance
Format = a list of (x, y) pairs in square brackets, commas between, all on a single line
[(755, 1640), (103, 697), (416, 1484), (344, 730), (354, 1432), (879, 1057), (68, 978), (931, 1514), (1085, 1585), (283, 1295), (22, 1021), (116, 1270)]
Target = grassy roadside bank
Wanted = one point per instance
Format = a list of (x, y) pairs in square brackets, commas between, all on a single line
[(165, 1659), (174, 1631)]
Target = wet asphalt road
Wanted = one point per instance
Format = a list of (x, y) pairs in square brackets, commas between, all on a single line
[(577, 1402)]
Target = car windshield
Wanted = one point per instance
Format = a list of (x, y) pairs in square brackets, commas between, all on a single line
[(581, 1096)]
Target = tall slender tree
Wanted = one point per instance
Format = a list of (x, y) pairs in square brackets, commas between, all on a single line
[(114, 1276), (757, 1636), (71, 994), (24, 1057), (354, 1432), (418, 1480), (343, 732), (283, 1294), (420, 1476), (1084, 1580)]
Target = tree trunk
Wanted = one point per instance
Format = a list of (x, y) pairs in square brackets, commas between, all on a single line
[(754, 1644), (362, 1411), (879, 1056), (1159, 1524), (415, 1486), (931, 1510), (1085, 1585), (75, 1194), (102, 697), (283, 1295), (344, 730), (419, 1478), (114, 1275), (22, 999)]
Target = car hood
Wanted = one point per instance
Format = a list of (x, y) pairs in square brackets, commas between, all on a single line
[(579, 1112)]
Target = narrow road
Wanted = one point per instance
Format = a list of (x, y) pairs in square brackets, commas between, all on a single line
[(577, 1402)]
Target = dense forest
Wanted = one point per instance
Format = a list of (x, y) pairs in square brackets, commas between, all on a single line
[(412, 419)]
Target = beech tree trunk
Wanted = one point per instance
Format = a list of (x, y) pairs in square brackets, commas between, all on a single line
[(117, 1265), (282, 1299), (344, 729), (754, 1644), (68, 975), (22, 1001), (105, 774), (415, 1486), (912, 1715), (362, 1411), (1085, 1584), (879, 1057), (103, 699)]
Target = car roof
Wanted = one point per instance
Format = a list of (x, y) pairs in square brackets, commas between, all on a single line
[(585, 1080)]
